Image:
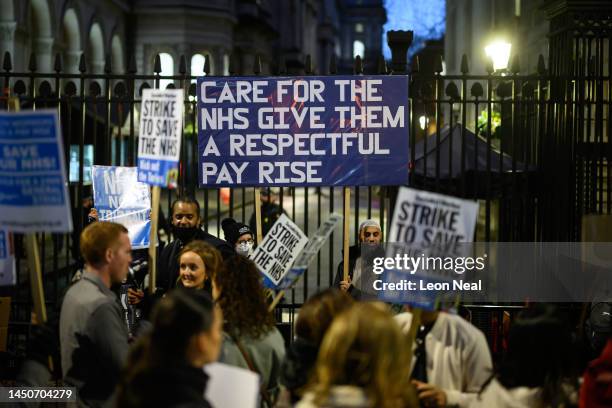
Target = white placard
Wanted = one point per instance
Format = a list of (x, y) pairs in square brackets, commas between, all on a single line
[(230, 386), (159, 137), (425, 220), (279, 249)]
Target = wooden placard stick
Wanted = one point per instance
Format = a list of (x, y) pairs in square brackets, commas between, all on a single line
[(277, 299), (258, 229), (34, 269), (345, 243), (155, 196)]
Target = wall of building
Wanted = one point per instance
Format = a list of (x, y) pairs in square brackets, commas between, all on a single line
[(275, 30)]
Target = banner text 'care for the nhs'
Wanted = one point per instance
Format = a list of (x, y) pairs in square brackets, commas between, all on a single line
[(321, 131)]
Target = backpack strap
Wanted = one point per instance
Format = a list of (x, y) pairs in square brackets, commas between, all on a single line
[(265, 395)]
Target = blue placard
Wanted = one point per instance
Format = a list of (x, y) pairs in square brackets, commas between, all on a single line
[(303, 131), (7, 261), (33, 193), (119, 197)]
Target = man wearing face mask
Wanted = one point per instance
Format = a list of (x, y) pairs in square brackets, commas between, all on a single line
[(239, 236), (360, 260), (186, 227)]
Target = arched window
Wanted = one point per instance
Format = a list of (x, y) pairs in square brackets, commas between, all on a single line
[(167, 69), (226, 62), (197, 66), (358, 49)]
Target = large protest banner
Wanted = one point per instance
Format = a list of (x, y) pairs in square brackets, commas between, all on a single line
[(308, 131), (7, 260), (33, 192), (159, 137), (121, 198), (279, 249)]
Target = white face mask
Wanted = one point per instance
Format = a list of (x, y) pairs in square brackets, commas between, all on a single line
[(244, 248)]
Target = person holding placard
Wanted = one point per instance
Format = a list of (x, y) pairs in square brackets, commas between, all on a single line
[(93, 334), (239, 236), (251, 339), (164, 367), (186, 227), (360, 255)]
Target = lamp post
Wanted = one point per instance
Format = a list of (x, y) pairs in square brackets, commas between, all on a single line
[(499, 52)]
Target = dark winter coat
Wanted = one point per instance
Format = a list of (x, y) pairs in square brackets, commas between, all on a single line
[(297, 367), (168, 386), (354, 253)]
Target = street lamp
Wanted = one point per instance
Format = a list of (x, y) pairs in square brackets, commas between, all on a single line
[(499, 52)]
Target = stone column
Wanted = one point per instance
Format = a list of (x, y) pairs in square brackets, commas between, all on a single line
[(42, 47), (71, 61)]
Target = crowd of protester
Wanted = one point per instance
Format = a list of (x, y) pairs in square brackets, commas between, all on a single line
[(347, 351)]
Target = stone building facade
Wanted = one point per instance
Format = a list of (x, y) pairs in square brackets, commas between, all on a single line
[(281, 32)]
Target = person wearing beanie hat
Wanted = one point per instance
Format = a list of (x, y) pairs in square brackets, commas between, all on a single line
[(238, 235), (370, 236)]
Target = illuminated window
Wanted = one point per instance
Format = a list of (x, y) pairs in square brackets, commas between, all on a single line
[(167, 69), (358, 48), (197, 66)]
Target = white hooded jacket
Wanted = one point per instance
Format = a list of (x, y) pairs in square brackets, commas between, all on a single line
[(458, 357), (496, 395)]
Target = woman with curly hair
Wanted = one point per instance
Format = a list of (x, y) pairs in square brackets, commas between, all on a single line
[(251, 340), (363, 362), (198, 262)]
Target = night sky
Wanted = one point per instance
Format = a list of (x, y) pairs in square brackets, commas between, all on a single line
[(425, 17)]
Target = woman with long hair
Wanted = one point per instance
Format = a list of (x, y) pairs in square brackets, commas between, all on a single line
[(364, 361), (165, 366), (315, 317), (198, 262), (251, 340), (537, 370)]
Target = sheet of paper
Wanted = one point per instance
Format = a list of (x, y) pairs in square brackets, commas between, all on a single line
[(224, 383)]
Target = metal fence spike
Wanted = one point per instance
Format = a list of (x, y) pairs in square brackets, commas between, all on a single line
[(32, 65), (465, 67), (7, 64), (157, 64)]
